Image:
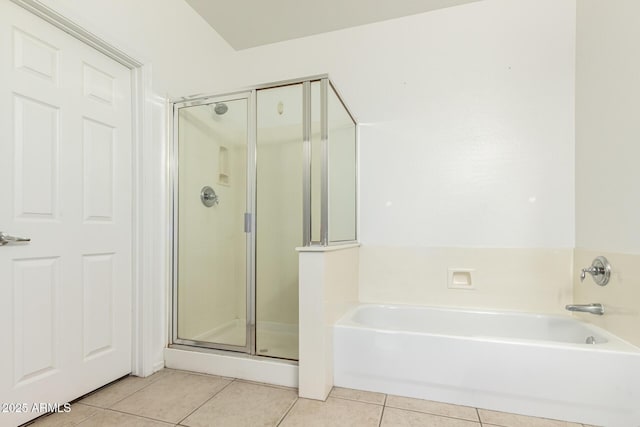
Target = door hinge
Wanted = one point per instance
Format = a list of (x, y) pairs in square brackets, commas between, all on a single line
[(247, 222)]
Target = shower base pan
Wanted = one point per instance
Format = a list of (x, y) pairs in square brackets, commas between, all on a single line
[(273, 339)]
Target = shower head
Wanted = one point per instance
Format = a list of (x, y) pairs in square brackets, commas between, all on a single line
[(220, 108)]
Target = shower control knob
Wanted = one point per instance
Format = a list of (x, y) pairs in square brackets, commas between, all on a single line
[(600, 270), (208, 196)]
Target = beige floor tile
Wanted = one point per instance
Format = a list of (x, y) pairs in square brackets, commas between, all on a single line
[(78, 414), (244, 404), (504, 419), (435, 408), (108, 396), (108, 418), (400, 417), (359, 395), (172, 397), (333, 413)]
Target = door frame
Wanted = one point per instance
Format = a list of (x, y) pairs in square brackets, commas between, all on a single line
[(144, 233)]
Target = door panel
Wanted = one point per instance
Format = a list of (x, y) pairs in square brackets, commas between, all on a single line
[(36, 284), (98, 175), (65, 182), (36, 145), (97, 304)]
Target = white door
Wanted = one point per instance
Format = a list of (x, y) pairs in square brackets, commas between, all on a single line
[(65, 182)]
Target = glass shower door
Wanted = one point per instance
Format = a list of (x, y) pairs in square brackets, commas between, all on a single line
[(211, 253)]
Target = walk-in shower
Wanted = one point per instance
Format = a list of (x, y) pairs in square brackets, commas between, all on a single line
[(255, 175)]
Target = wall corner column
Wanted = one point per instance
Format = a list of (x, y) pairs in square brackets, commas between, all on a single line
[(328, 287)]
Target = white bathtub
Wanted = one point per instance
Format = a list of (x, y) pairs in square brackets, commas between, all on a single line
[(529, 364)]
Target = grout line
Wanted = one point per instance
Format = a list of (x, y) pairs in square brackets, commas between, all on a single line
[(386, 396), (99, 389), (276, 386), (287, 411), (201, 374), (158, 374), (128, 395), (384, 402), (89, 417), (113, 383), (451, 417), (125, 413), (93, 405), (355, 400), (382, 414), (159, 377), (48, 414), (478, 414), (206, 401)]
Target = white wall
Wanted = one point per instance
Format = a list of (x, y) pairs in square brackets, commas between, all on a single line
[(467, 120), (607, 153), (466, 141), (608, 126)]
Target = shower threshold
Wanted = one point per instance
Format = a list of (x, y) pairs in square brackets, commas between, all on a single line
[(224, 363)]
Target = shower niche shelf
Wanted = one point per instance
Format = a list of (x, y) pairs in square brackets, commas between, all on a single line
[(223, 165)]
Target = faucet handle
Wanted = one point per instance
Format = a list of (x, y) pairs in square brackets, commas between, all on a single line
[(600, 270)]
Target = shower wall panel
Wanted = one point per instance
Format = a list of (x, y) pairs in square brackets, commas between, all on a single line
[(279, 219)]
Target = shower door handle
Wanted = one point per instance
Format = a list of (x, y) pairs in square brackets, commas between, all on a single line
[(247, 222), (5, 238)]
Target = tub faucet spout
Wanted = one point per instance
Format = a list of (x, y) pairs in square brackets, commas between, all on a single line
[(595, 308)]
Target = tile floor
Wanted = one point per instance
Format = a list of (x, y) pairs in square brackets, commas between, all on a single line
[(170, 398)]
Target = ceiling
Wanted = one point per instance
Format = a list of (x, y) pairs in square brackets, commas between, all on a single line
[(249, 23)]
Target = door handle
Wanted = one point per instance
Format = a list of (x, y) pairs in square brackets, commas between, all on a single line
[(5, 238)]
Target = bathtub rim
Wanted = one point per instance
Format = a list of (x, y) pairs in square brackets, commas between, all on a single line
[(614, 343)]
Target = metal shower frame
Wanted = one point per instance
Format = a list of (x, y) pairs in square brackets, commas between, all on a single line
[(250, 94)]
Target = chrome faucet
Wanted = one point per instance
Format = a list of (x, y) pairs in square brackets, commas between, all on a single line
[(595, 308), (600, 270)]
